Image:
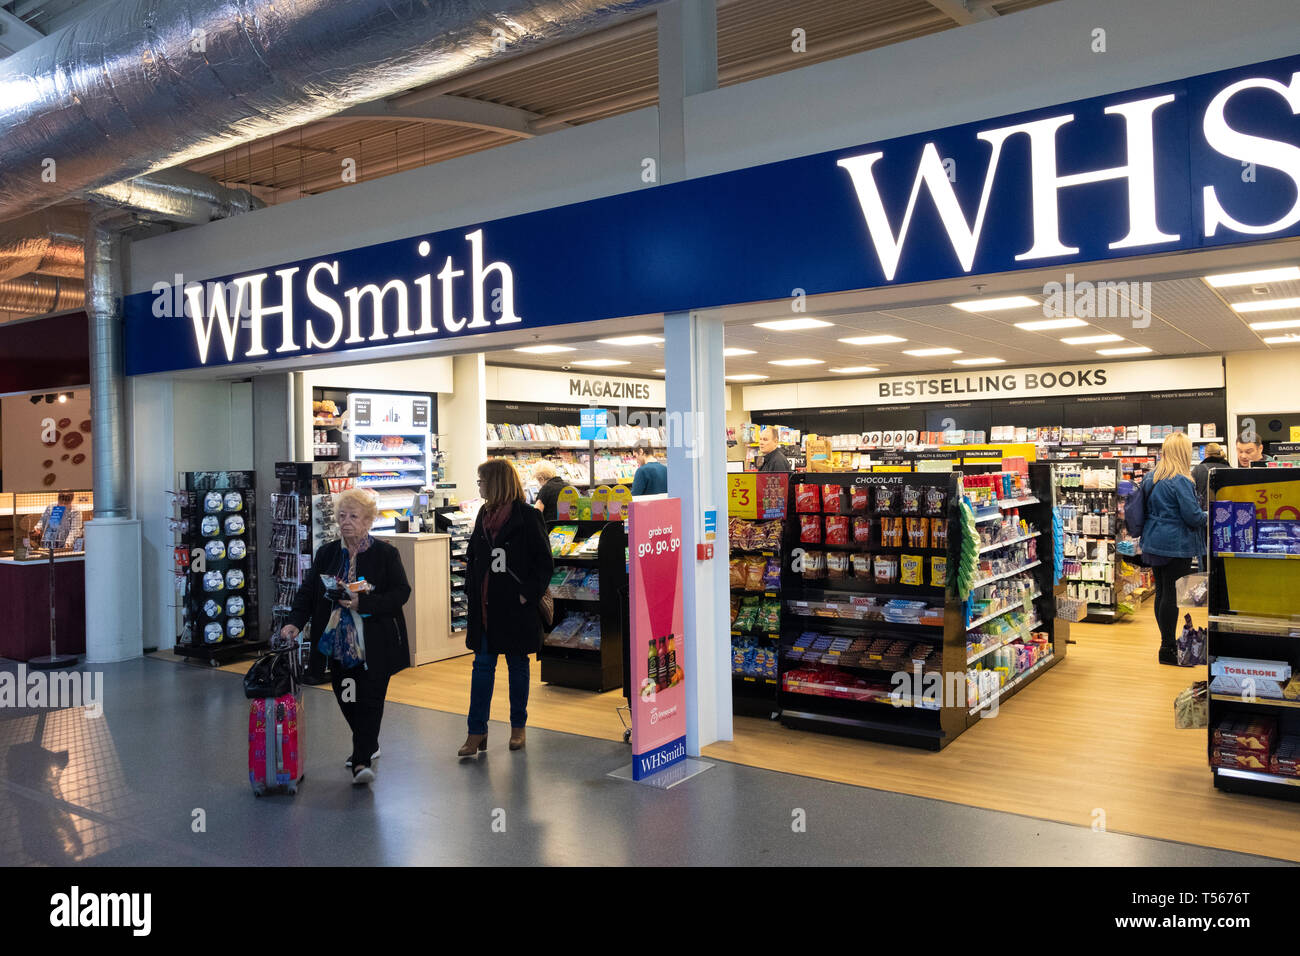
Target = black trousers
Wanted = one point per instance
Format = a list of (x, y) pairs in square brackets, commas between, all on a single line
[(361, 694), (1167, 576)]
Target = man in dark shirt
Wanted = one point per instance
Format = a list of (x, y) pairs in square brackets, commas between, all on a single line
[(651, 477), (773, 459)]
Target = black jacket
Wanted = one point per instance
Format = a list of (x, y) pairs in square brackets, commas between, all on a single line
[(1201, 475), (381, 566), (522, 569), (775, 462), (549, 496)]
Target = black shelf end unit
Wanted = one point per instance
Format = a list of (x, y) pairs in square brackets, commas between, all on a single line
[(602, 668)]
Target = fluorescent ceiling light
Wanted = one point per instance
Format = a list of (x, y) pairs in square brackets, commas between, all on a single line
[(798, 361), (1129, 350), (792, 325), (978, 361), (1282, 339), (872, 340), (1093, 339), (1226, 280), (600, 363), (1266, 304), (744, 378), (1045, 325), (926, 353), (546, 349), (662, 371), (730, 352), (854, 370), (631, 340), (1279, 324), (996, 305)]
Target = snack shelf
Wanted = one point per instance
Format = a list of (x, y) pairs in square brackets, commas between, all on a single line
[(603, 667), (1257, 775), (1022, 635), (1021, 678), (1003, 544), (1011, 607), (1265, 626), (856, 694), (748, 679), (1005, 574), (1252, 554), (1261, 701), (993, 515), (566, 443)]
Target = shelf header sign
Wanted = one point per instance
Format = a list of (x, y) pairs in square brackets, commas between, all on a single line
[(1151, 171), (657, 640)]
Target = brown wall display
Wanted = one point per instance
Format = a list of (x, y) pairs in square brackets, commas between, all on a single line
[(29, 460)]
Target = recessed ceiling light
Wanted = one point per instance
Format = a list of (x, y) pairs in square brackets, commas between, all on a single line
[(927, 353), (662, 371), (995, 305), (978, 361), (1129, 350), (744, 378), (730, 352), (854, 370), (1093, 339), (1282, 339), (872, 340), (1266, 305), (792, 325), (1279, 324), (545, 349), (1225, 280), (600, 363), (631, 340), (798, 361), (1045, 325)]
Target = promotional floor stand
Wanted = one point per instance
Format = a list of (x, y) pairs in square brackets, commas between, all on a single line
[(585, 647)]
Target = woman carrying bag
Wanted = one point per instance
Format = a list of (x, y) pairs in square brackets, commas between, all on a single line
[(508, 569), (1173, 533), (353, 597)]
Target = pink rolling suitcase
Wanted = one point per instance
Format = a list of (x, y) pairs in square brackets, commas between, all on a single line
[(275, 739)]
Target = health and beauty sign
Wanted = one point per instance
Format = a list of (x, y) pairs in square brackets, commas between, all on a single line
[(1199, 162), (658, 635)]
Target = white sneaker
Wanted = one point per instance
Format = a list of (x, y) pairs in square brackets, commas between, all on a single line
[(373, 757), (364, 775)]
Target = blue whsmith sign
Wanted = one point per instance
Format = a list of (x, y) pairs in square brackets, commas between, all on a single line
[(1205, 161)]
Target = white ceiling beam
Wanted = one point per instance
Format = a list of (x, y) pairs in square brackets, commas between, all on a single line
[(445, 110), (964, 11), (17, 33)]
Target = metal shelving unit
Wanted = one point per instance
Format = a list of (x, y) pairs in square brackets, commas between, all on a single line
[(601, 668), (452, 521)]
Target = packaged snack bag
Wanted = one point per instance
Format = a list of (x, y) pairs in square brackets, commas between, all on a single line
[(859, 498), (807, 498), (737, 572), (918, 535), (939, 571), (814, 565), (911, 500), (754, 567), (769, 616), (747, 617), (896, 532), (838, 565), (938, 533), (832, 498), (735, 532), (772, 574), (912, 569), (837, 529), (772, 536), (1222, 528), (935, 500), (735, 608), (862, 565), (886, 569), (1243, 527), (810, 529), (884, 500), (861, 531)]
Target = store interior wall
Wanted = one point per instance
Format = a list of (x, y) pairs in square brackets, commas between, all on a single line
[(273, 441), (736, 416), (462, 413), (1260, 381), (23, 452)]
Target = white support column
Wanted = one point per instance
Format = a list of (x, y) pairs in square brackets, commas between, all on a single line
[(688, 64), (697, 474), (462, 416), (272, 440)]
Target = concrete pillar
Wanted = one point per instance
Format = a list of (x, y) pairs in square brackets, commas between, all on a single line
[(461, 417), (697, 474)]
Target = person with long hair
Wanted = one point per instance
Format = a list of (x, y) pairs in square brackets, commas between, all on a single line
[(508, 569), (1173, 533)]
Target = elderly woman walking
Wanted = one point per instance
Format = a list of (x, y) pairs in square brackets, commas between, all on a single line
[(353, 597)]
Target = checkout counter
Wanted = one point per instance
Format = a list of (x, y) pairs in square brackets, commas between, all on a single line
[(427, 560), (25, 578)]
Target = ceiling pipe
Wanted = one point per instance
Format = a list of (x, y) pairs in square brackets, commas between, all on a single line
[(175, 195), (40, 295), (50, 242), (138, 85)]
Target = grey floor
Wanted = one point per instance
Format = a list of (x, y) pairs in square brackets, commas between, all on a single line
[(161, 779)]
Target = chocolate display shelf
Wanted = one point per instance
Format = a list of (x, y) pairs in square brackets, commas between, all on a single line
[(605, 667)]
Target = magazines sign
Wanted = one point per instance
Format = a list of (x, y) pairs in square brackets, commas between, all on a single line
[(657, 638)]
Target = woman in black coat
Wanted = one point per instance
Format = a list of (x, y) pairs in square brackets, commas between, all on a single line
[(508, 569), (374, 582)]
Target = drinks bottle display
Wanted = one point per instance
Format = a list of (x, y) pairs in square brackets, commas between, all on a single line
[(664, 676), (653, 672), (673, 674)]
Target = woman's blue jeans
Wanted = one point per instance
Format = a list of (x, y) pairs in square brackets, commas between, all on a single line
[(483, 680)]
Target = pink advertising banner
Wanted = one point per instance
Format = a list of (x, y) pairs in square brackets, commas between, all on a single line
[(657, 638)]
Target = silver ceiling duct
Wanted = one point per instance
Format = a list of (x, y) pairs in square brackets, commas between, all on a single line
[(142, 85), (50, 242), (39, 295), (176, 195)]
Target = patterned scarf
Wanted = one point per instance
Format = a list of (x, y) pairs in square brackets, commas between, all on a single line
[(344, 637)]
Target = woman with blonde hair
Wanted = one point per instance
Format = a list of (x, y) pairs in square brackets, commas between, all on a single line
[(353, 597), (549, 485), (1173, 533), (507, 568)]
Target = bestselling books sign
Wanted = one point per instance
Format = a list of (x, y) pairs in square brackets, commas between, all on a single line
[(657, 640)]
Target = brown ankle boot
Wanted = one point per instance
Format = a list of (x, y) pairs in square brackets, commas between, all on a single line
[(516, 738), (474, 743)]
